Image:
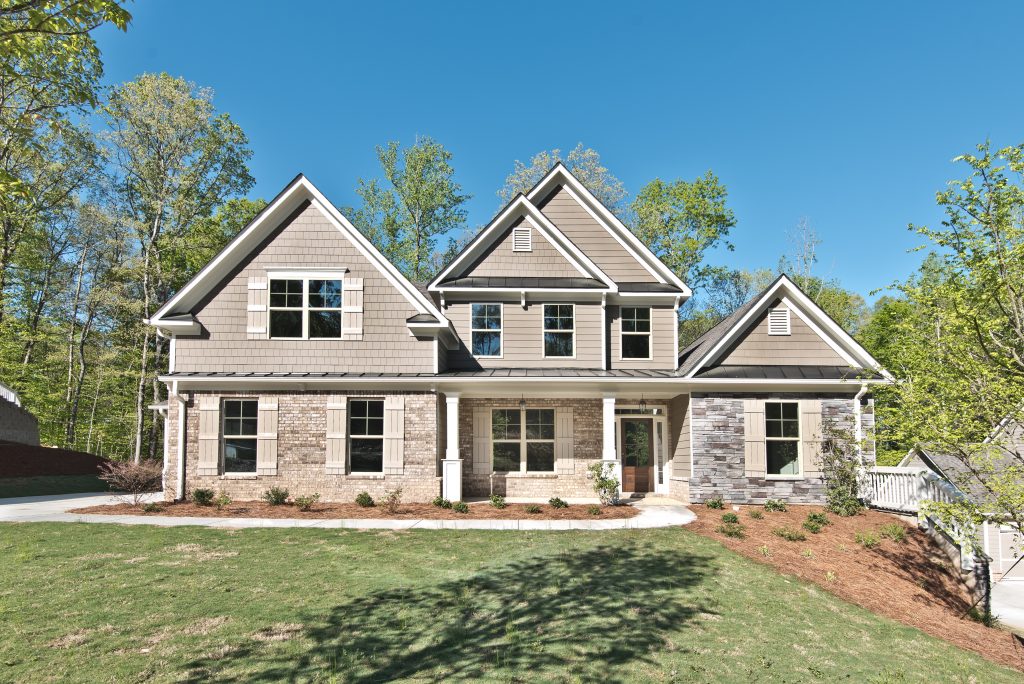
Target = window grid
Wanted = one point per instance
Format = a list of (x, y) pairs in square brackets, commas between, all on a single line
[(782, 438), (366, 435), (530, 450), (559, 330), (636, 332), (486, 330), (240, 425), (305, 308)]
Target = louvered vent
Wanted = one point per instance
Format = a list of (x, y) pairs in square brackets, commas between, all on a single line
[(522, 239), (778, 321)]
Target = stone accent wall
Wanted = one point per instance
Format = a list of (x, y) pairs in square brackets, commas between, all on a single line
[(586, 448), (301, 451), (17, 424), (718, 459)]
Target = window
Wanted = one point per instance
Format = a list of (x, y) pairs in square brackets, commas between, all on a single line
[(240, 422), (522, 239), (636, 332), (782, 437), (516, 450), (305, 308), (366, 435), (485, 329), (778, 321), (559, 330)]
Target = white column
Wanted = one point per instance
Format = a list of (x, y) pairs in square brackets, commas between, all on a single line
[(452, 426), (451, 466), (609, 455)]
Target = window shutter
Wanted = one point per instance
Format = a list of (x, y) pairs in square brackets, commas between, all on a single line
[(564, 461), (778, 321), (256, 323), (811, 437), (209, 436), (394, 435), (481, 441), (753, 438), (522, 239), (352, 309), (266, 437), (337, 433)]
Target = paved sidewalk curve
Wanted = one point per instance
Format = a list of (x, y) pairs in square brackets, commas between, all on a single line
[(54, 509)]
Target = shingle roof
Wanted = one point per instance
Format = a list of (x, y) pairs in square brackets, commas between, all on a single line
[(960, 474)]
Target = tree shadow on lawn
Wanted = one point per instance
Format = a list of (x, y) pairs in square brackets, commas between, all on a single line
[(570, 615)]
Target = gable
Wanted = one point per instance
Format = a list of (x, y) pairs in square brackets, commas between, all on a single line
[(543, 260), (802, 347)]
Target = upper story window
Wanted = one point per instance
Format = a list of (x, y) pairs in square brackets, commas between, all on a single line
[(240, 424), (636, 332), (782, 437), (485, 330), (305, 308), (366, 432), (559, 330)]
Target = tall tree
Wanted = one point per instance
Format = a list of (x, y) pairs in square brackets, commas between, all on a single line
[(583, 162), (417, 202)]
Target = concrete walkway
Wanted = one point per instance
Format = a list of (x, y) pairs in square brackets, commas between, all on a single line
[(659, 513), (1008, 604)]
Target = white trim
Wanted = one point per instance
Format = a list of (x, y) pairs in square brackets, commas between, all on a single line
[(655, 419), (779, 321), (501, 330), (649, 333), (351, 437), (517, 290), (544, 331), (524, 441), (305, 308), (799, 475), (675, 330), (522, 238), (827, 339), (605, 351)]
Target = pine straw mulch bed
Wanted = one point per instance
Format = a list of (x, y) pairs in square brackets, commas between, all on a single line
[(482, 510), (912, 581)]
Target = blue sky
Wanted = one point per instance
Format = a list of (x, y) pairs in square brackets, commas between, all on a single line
[(846, 114)]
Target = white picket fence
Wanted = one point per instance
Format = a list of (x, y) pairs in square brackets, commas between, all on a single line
[(903, 489), (9, 394)]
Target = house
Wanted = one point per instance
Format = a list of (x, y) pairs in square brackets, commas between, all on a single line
[(300, 357), (17, 424)]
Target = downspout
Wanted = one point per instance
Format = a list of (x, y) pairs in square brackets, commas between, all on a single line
[(858, 422), (179, 492)]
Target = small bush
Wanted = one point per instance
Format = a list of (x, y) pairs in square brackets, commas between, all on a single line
[(555, 502), (594, 510), (152, 507), (807, 553), (364, 499), (812, 526), (392, 500), (756, 514), (606, 485), (498, 501), (819, 518), (460, 507), (775, 506), (715, 503), (732, 529), (202, 497), (441, 502), (730, 518), (134, 479), (221, 501), (789, 534), (894, 531), (533, 508), (868, 539), (985, 618), (276, 496), (764, 550), (830, 577), (306, 503)]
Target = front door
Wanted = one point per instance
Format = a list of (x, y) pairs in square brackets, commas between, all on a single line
[(637, 447)]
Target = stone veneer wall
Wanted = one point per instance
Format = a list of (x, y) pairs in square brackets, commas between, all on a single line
[(718, 459), (301, 451), (586, 448)]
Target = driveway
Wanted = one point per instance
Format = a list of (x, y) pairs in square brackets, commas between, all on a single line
[(1008, 603)]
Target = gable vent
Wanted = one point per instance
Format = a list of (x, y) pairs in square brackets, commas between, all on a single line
[(522, 239), (778, 321)]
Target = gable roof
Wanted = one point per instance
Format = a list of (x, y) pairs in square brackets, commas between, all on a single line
[(710, 346), (300, 191)]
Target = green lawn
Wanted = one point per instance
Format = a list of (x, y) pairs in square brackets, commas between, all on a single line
[(50, 484), (86, 602)]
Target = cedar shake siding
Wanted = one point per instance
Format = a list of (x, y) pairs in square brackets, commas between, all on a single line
[(593, 239), (542, 261), (663, 332), (803, 347), (307, 241)]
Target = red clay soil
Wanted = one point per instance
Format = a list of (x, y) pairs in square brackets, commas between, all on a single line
[(406, 511), (912, 581), (24, 460)]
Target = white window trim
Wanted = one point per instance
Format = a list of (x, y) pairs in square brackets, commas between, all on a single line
[(225, 436), (649, 334), (501, 330), (348, 431), (798, 439), (544, 330), (305, 277), (523, 442)]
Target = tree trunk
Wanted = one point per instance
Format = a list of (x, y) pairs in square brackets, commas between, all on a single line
[(37, 314)]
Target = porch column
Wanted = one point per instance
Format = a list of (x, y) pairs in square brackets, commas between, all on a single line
[(451, 465), (609, 456)]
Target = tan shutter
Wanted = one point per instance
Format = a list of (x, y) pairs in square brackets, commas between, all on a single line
[(352, 309), (266, 437), (810, 437), (394, 435), (256, 319), (564, 460), (481, 441), (209, 436), (753, 438), (337, 433)]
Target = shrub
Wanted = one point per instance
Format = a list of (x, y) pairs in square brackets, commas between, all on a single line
[(152, 507), (775, 506), (441, 502), (765, 551), (812, 526), (305, 503), (594, 510), (364, 499), (221, 501), (732, 529), (555, 502), (807, 553), (819, 518), (715, 503), (868, 539), (756, 514), (460, 507), (606, 485), (839, 466), (392, 500), (830, 577), (202, 497), (534, 508), (789, 534), (498, 501), (134, 479), (894, 531), (276, 496), (730, 518)]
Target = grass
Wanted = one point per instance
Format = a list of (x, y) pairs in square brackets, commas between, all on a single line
[(89, 602), (50, 484)]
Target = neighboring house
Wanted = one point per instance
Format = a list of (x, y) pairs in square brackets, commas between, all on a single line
[(1000, 543), (17, 424), (301, 357)]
